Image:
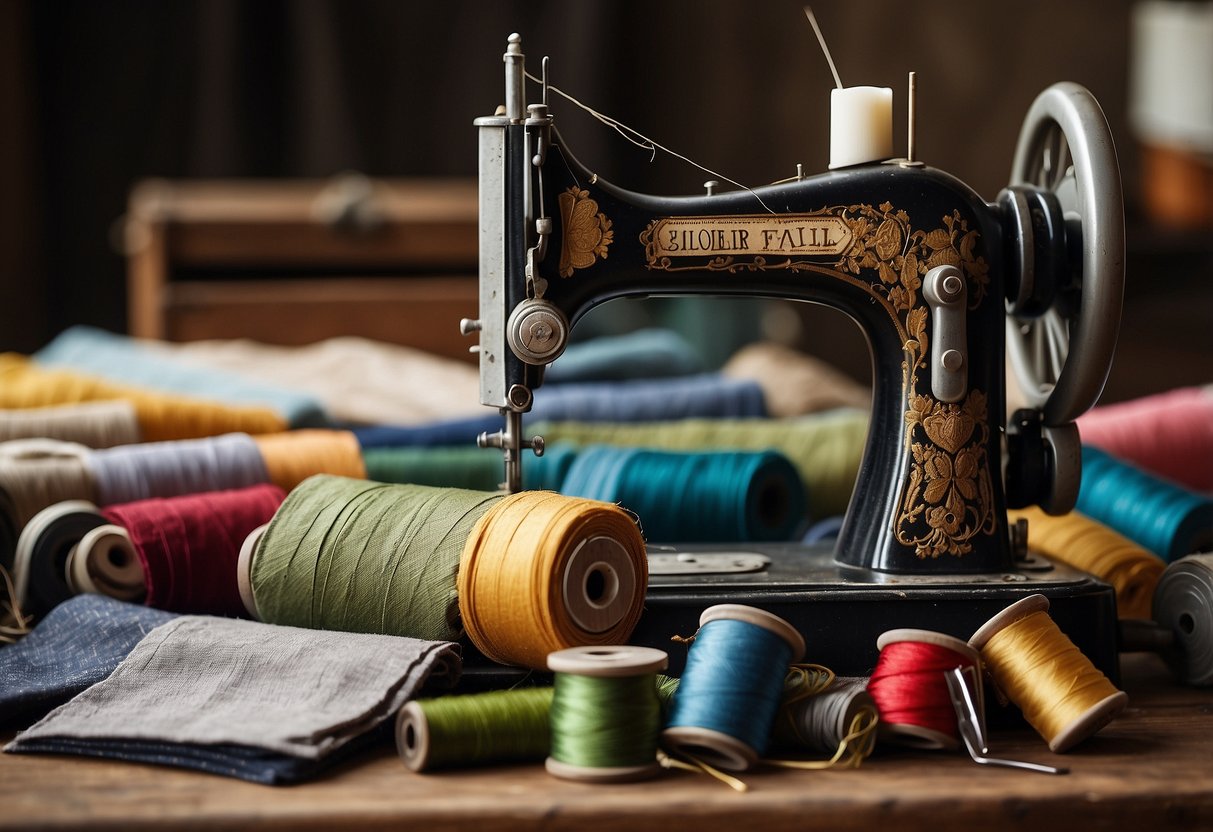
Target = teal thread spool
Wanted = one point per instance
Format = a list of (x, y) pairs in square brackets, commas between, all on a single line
[(730, 691), (497, 726), (605, 713), (693, 497), (1168, 519)]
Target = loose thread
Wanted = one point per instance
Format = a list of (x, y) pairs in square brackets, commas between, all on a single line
[(14, 624), (643, 141)]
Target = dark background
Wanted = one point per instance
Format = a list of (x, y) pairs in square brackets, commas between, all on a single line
[(95, 94)]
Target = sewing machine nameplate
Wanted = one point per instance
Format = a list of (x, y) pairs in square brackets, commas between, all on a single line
[(758, 235)]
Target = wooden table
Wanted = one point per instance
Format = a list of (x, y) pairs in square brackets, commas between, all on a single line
[(1150, 769)]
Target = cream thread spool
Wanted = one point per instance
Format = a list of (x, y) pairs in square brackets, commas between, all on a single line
[(921, 736), (105, 562), (1079, 726), (604, 663)]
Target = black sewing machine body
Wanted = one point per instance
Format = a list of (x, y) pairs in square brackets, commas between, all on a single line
[(924, 265)]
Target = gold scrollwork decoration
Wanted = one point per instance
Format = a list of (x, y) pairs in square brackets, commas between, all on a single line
[(587, 231)]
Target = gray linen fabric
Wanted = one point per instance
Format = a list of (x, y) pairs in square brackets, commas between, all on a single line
[(198, 680)]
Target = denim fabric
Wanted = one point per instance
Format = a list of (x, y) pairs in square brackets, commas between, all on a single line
[(76, 645)]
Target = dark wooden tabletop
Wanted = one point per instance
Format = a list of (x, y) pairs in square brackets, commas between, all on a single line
[(1151, 769)]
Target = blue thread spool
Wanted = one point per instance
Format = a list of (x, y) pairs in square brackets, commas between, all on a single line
[(729, 695)]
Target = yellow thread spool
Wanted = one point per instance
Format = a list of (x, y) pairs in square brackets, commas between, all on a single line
[(1085, 544), (1062, 695), (542, 572)]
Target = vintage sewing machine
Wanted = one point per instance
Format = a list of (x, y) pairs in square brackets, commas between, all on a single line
[(942, 282)]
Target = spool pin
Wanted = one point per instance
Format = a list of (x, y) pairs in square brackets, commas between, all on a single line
[(918, 736), (605, 662), (1089, 721), (715, 747)]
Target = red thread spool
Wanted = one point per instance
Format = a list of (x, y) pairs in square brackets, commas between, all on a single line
[(911, 691), (188, 546)]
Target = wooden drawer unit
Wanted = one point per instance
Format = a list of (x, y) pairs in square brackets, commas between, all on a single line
[(292, 262)]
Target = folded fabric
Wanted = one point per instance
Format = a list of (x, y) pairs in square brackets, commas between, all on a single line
[(795, 383), (161, 415), (76, 645), (198, 684), (359, 381), (707, 396), (149, 364), (645, 353)]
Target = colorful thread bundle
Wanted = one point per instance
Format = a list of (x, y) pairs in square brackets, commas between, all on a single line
[(1169, 520), (492, 727), (188, 546), (1183, 603), (1093, 547), (161, 416), (695, 497), (731, 688), (605, 714), (92, 424), (1062, 695), (910, 689), (1169, 434), (825, 448), (527, 574)]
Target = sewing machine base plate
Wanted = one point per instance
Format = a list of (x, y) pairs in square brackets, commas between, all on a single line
[(841, 611)]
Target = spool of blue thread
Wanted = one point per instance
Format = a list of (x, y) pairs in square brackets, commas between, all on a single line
[(730, 690)]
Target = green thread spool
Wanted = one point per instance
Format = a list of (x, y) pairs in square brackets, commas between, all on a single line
[(605, 714), (363, 557), (465, 467), (456, 731)]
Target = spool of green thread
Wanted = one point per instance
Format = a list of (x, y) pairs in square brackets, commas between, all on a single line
[(493, 727), (466, 466), (364, 557), (605, 713)]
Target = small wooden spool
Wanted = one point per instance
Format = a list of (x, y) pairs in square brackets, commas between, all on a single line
[(918, 736), (1086, 723), (605, 663), (105, 562), (715, 747)]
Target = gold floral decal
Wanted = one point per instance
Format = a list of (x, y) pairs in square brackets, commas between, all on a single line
[(587, 232)]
